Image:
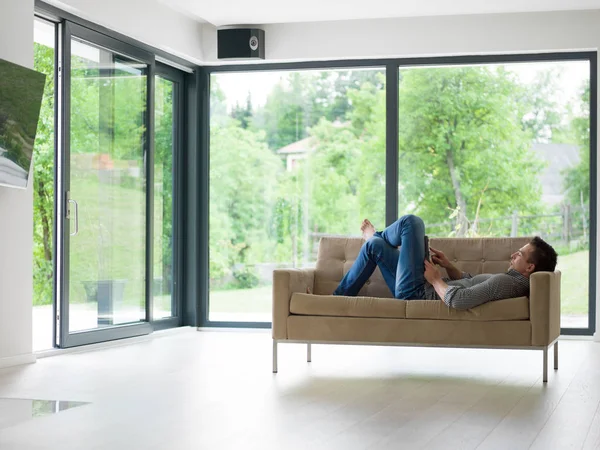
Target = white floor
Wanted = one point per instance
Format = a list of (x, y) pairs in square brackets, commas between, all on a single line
[(215, 390)]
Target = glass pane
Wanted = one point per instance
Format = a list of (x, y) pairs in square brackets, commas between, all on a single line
[(107, 256), (502, 150), (43, 192), (163, 199), (293, 156)]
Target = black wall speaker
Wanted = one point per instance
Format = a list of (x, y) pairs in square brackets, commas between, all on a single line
[(241, 43)]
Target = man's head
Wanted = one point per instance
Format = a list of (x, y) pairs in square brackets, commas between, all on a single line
[(535, 256)]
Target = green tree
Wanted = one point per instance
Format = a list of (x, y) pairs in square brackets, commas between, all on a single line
[(243, 181), (286, 116), (542, 114), (577, 179), (347, 165), (462, 145), (43, 182), (163, 176), (243, 113), (301, 99), (345, 82), (367, 118)]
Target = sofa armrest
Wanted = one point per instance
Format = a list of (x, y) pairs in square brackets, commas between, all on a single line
[(285, 282), (544, 307)]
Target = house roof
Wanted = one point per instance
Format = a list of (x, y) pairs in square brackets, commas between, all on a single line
[(298, 147)]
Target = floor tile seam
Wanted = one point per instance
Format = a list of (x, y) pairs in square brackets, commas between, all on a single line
[(596, 412)]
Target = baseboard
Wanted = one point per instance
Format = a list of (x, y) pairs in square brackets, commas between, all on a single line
[(10, 361)]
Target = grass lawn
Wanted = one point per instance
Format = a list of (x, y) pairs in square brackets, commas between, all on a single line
[(111, 240), (256, 300), (574, 282)]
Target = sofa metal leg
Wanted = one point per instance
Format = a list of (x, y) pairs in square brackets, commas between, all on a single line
[(308, 352), (274, 356), (545, 378), (556, 355)]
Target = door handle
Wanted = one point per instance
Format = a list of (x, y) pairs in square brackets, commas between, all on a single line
[(76, 232)]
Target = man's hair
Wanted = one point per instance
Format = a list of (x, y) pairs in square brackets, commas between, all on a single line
[(543, 255)]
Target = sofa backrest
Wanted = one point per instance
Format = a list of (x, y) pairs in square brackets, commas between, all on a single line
[(473, 255)]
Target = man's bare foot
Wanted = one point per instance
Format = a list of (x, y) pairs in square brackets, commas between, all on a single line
[(367, 229)]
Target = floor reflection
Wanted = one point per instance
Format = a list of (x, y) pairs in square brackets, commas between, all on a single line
[(15, 410)]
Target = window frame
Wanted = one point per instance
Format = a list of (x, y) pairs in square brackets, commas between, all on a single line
[(393, 65)]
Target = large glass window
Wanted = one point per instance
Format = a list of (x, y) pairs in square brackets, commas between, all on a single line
[(43, 191), (107, 176), (502, 150), (293, 156)]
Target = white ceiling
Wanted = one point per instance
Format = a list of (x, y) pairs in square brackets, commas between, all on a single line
[(249, 12)]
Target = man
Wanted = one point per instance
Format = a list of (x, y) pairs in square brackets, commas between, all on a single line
[(408, 279)]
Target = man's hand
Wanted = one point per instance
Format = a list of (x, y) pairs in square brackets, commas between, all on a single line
[(438, 257), (432, 274)]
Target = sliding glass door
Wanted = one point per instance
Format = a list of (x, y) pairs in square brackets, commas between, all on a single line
[(105, 246)]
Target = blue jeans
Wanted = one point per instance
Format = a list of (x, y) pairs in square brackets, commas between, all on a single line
[(403, 270)]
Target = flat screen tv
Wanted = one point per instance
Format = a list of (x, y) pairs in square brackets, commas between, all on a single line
[(21, 92)]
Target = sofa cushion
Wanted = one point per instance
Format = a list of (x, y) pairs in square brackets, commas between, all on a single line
[(508, 309), (409, 331), (338, 306)]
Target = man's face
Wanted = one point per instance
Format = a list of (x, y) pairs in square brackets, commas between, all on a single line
[(519, 260)]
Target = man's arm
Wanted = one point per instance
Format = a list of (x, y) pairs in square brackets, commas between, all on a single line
[(433, 275), (453, 272), (441, 287), (464, 298)]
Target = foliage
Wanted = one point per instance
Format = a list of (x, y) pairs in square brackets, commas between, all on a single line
[(301, 99), (461, 143), (43, 183), (163, 180), (542, 115), (246, 277), (243, 113), (243, 180), (577, 179), (465, 139)]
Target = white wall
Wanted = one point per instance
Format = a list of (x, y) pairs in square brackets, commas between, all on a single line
[(147, 21), (16, 209), (425, 36), (428, 36)]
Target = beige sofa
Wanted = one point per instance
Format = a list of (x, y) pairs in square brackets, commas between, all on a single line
[(376, 318)]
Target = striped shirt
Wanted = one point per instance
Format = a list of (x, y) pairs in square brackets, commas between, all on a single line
[(471, 291)]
